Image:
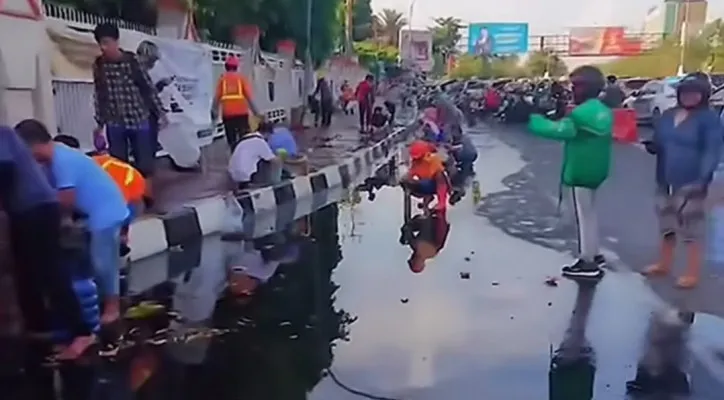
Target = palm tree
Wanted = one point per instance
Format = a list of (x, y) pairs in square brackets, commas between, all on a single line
[(446, 35), (390, 22)]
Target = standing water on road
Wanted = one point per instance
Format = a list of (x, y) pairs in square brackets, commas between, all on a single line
[(326, 308)]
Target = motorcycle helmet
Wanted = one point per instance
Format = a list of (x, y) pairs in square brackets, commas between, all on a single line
[(694, 82), (587, 83)]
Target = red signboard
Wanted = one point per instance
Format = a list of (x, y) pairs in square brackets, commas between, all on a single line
[(602, 41)]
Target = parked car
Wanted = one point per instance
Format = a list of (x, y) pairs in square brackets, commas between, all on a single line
[(652, 99), (632, 84)]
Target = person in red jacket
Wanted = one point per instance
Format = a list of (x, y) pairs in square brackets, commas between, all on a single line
[(492, 100), (366, 99)]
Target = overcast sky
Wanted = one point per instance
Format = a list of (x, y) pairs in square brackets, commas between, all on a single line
[(543, 16)]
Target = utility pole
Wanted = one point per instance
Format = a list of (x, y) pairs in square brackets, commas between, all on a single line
[(683, 39), (349, 28), (308, 67)]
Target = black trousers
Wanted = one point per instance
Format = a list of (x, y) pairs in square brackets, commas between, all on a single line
[(234, 128), (44, 281), (365, 114), (325, 114), (391, 109)]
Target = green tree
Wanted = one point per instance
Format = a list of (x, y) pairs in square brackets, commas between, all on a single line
[(540, 62), (446, 35), (216, 19), (506, 66), (468, 66), (370, 52), (390, 22), (362, 18)]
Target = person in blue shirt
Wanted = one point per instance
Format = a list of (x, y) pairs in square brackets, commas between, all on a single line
[(42, 278), (280, 139), (687, 143), (85, 187)]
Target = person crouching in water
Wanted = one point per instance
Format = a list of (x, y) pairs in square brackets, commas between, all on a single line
[(128, 179), (426, 234), (426, 177), (83, 186), (687, 143), (587, 137)]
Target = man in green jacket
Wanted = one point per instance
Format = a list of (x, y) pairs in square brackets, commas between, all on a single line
[(587, 137)]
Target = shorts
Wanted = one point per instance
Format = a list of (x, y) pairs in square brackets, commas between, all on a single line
[(422, 187), (681, 212), (106, 262)]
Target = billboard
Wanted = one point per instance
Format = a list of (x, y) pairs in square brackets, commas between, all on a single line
[(486, 39), (416, 49), (602, 41)]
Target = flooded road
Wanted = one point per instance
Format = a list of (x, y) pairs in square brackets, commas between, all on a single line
[(270, 318)]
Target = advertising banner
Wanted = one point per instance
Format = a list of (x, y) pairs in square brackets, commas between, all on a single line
[(416, 49), (602, 41), (485, 39)]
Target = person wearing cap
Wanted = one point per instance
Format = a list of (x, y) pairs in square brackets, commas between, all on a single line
[(426, 177), (687, 143), (234, 97), (587, 135)]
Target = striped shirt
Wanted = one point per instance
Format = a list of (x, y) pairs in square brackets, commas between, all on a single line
[(125, 96)]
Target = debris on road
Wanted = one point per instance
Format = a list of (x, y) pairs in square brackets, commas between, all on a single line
[(467, 258), (404, 300), (551, 281), (495, 283), (465, 275)]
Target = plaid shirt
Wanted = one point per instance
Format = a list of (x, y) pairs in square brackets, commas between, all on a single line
[(124, 93)]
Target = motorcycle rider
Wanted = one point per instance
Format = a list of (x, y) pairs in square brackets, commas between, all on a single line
[(587, 137), (613, 96), (687, 144)]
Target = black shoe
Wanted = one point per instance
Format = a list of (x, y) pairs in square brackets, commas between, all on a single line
[(583, 270), (124, 250), (600, 261)]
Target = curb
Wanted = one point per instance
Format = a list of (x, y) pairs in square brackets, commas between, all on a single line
[(171, 231)]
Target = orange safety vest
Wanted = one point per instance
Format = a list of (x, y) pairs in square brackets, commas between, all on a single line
[(128, 179), (231, 95)]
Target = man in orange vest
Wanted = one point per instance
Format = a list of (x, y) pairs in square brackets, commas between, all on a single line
[(128, 179), (234, 95)]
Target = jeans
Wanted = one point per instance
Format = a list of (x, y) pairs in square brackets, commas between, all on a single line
[(140, 142), (104, 252)]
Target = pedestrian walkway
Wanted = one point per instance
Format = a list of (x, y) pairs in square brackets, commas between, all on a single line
[(323, 147)]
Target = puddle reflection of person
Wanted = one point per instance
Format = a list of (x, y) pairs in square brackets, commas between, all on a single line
[(573, 366), (660, 369), (426, 234)]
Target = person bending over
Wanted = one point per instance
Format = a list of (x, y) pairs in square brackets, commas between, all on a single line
[(83, 186), (128, 179), (426, 177), (43, 280), (253, 163)]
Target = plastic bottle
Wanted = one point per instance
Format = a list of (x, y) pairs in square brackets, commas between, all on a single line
[(477, 193)]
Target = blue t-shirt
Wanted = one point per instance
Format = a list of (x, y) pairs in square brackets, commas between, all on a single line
[(283, 139), (31, 187), (96, 194)]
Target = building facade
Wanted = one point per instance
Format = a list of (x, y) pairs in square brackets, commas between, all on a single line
[(674, 18)]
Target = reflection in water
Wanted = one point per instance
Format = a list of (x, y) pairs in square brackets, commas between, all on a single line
[(279, 327), (259, 325), (573, 365), (660, 369)]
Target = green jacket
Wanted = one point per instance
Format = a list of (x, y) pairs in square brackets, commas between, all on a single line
[(587, 137)]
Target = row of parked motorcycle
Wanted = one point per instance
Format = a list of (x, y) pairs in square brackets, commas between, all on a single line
[(504, 100)]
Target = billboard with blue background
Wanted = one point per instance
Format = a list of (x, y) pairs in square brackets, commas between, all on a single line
[(499, 38)]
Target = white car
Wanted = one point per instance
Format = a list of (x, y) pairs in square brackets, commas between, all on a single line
[(652, 99)]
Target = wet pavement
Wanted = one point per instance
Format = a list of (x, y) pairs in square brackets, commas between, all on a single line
[(322, 147), (327, 306)]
